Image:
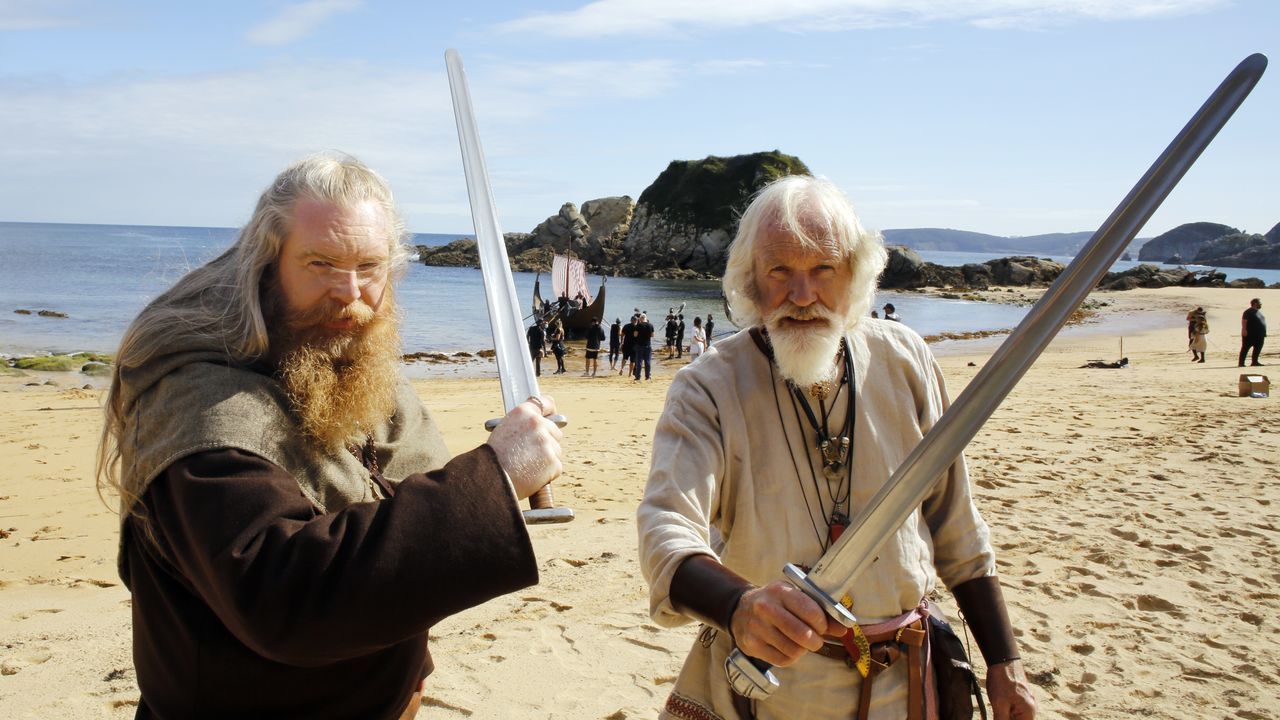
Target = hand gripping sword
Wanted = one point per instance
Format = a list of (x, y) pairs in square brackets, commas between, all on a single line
[(515, 368), (855, 551)]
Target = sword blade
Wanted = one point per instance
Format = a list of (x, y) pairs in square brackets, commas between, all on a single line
[(515, 367), (911, 482)]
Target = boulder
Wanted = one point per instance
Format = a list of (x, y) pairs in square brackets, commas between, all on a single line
[(563, 232), (1147, 276), (1252, 283), (608, 221), (1024, 270)]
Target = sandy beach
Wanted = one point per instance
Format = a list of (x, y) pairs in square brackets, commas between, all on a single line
[(1136, 514)]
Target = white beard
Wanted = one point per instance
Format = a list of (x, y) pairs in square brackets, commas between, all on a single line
[(805, 355)]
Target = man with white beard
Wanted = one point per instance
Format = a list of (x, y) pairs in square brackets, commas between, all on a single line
[(766, 447), (292, 524)]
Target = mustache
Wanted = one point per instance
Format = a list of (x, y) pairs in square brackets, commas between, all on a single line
[(790, 311), (358, 311)]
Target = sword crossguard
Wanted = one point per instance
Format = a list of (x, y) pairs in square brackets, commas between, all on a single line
[(754, 679), (833, 608), (558, 419), (542, 509)]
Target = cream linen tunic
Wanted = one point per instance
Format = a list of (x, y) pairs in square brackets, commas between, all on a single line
[(724, 483)]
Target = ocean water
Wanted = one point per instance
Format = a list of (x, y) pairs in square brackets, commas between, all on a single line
[(100, 276)]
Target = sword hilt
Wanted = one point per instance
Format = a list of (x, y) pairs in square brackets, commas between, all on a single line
[(753, 678), (542, 509)]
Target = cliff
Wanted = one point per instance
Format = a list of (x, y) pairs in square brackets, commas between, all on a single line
[(684, 221), (1183, 243), (1242, 250)]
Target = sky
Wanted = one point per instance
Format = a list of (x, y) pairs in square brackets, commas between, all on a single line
[(1009, 117)]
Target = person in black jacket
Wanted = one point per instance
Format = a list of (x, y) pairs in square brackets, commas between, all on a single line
[(1253, 331), (537, 337), (643, 332), (595, 336), (615, 342)]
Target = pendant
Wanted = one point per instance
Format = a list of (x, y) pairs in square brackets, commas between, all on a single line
[(835, 528), (834, 454)]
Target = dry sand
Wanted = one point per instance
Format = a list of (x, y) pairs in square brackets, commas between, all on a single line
[(1135, 513)]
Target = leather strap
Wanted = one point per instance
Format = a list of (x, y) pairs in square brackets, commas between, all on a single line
[(882, 656)]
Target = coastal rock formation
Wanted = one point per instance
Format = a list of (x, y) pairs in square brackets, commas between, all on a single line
[(566, 230), (1184, 241), (684, 222), (906, 270), (1152, 276), (459, 253), (1242, 250), (609, 221)]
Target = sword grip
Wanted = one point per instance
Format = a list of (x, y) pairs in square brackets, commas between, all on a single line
[(542, 499), (753, 678)]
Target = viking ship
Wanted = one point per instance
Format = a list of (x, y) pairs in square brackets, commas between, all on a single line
[(571, 299)]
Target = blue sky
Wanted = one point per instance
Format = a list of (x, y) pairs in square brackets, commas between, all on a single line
[(1011, 117)]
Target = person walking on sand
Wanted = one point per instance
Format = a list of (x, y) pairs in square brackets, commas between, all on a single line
[(595, 336), (1197, 329), (670, 331), (628, 344), (680, 335), (292, 525), (556, 337), (710, 327), (760, 457), (1253, 331), (615, 342), (699, 341), (643, 332), (536, 336)]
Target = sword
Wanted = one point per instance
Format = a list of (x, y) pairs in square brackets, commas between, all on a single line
[(515, 368), (855, 551)]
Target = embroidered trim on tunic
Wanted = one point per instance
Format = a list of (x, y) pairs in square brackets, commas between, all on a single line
[(686, 709)]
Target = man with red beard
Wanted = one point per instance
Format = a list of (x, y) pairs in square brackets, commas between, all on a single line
[(769, 444), (292, 524)]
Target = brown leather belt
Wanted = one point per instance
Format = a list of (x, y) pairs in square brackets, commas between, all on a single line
[(835, 651), (885, 650)]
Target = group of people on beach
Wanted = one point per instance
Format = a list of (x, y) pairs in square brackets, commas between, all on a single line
[(1253, 333), (630, 345), (293, 525)]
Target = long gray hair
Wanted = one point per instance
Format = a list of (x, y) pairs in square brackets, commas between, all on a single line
[(219, 306), (814, 211)]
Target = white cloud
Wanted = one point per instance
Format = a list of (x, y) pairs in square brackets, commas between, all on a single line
[(651, 17), (196, 149), (299, 20)]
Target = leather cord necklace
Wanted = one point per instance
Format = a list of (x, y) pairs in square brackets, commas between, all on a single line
[(836, 453)]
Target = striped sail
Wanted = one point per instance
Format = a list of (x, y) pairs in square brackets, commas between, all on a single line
[(569, 278)]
